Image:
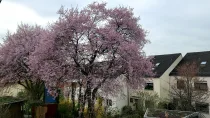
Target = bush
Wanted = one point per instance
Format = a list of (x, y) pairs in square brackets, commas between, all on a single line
[(65, 109), (99, 109), (163, 105), (4, 111), (126, 110), (112, 113), (22, 94)]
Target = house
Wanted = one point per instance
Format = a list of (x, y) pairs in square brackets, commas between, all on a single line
[(10, 90), (163, 65), (159, 84), (202, 59)]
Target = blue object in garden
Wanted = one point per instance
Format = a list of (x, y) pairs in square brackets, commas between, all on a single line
[(49, 98)]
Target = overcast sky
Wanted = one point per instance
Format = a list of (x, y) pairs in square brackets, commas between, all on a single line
[(175, 26)]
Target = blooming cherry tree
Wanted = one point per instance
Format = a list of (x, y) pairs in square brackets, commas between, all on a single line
[(93, 46), (14, 57)]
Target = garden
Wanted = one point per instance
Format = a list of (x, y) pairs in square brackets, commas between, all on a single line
[(66, 67)]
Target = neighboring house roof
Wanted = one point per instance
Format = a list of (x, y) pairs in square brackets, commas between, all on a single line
[(197, 57), (163, 62)]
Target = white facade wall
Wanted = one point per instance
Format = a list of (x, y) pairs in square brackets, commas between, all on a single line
[(156, 86), (164, 79), (11, 90), (120, 100)]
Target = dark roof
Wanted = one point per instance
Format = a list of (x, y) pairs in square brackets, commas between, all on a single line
[(165, 61), (197, 57)]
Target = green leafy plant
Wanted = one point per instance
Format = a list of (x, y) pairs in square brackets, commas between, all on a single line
[(65, 109), (128, 112)]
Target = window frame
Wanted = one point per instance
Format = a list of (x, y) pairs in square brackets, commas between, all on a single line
[(203, 62), (179, 85), (131, 100), (147, 84), (197, 86), (109, 102), (157, 64)]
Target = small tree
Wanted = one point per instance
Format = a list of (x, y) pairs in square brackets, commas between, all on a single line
[(185, 89), (146, 100)]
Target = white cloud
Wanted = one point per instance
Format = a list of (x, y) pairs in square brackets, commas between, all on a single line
[(174, 26), (12, 14)]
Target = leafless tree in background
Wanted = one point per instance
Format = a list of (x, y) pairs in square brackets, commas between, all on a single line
[(189, 90)]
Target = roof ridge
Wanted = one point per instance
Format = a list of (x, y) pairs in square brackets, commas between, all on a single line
[(197, 52), (166, 54)]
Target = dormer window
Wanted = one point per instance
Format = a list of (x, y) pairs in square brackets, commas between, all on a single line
[(157, 64), (203, 63)]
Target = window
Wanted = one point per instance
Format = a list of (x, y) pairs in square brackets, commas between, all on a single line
[(202, 107), (109, 102), (131, 100), (203, 63), (180, 84), (149, 86), (201, 86), (157, 64)]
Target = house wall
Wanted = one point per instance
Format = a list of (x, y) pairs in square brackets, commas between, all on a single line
[(11, 90), (164, 79), (156, 85), (120, 100), (207, 79)]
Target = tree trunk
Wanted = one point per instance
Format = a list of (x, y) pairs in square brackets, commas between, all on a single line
[(35, 90), (81, 102), (80, 95), (91, 113), (73, 97)]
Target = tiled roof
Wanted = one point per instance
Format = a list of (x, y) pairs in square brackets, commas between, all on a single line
[(197, 57), (163, 62)]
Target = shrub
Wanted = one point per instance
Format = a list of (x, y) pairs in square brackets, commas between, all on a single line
[(22, 94), (65, 109), (99, 109), (112, 113), (126, 110), (4, 111)]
